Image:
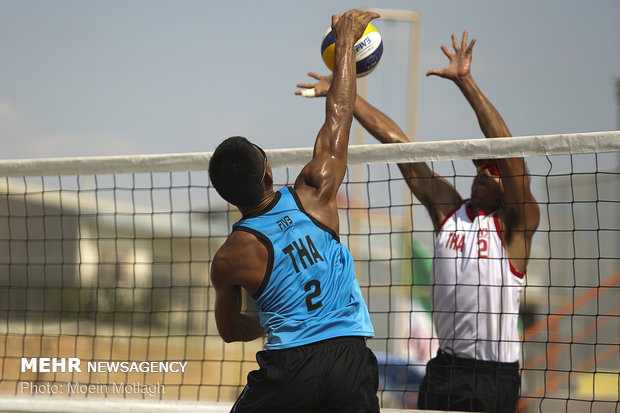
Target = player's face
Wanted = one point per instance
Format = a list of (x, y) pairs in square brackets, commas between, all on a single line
[(487, 186)]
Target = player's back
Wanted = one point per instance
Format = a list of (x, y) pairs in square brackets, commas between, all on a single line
[(309, 292)]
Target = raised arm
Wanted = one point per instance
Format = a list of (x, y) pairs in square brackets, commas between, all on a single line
[(459, 71), (519, 209), (434, 192), (317, 184)]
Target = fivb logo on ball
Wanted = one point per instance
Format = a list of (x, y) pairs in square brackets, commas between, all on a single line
[(368, 50), (73, 364)]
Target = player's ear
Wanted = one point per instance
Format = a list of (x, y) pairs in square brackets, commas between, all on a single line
[(268, 181)]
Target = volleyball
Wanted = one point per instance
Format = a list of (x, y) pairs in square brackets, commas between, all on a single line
[(368, 50)]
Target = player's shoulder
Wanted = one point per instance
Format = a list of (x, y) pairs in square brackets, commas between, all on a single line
[(236, 245)]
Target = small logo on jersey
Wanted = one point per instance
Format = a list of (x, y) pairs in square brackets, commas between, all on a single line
[(285, 223), (306, 253)]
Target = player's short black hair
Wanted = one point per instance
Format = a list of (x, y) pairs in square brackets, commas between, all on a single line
[(236, 170)]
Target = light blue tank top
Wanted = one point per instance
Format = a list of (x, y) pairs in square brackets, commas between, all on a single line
[(309, 292)]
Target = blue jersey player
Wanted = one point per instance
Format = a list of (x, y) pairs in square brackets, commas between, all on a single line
[(285, 252)]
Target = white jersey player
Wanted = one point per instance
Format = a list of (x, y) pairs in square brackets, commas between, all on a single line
[(475, 289)]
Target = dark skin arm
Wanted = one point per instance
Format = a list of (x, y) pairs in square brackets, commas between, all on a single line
[(228, 275), (242, 261), (519, 212), (436, 193), (318, 183)]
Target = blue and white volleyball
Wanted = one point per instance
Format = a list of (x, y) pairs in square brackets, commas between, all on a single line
[(368, 50)]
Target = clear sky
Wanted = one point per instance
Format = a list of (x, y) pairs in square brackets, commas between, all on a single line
[(83, 77)]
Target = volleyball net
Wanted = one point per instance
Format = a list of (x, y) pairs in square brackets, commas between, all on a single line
[(105, 290)]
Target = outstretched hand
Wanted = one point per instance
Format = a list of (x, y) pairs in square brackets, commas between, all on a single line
[(460, 60), (318, 89)]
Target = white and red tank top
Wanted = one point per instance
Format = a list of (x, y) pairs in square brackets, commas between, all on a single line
[(475, 289)]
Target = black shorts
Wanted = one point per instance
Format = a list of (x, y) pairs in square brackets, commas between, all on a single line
[(336, 375), (454, 383)]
